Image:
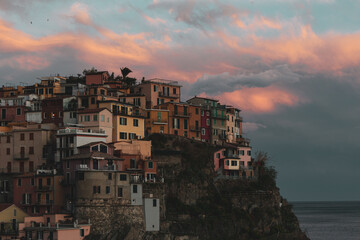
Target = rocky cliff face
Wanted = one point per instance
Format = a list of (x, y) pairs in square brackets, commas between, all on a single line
[(197, 205)]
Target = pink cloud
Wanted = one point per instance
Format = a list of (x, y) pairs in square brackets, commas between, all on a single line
[(259, 100), (80, 12)]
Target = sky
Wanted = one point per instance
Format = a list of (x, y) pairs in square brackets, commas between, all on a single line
[(291, 66)]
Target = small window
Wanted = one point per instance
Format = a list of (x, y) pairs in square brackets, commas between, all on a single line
[(107, 189), (82, 232), (95, 118), (19, 182), (154, 202), (135, 188), (109, 176), (81, 176), (123, 135), (18, 111), (249, 153), (120, 192), (14, 212), (31, 136), (233, 163), (98, 189), (150, 164), (123, 121), (48, 181), (31, 150), (102, 118), (94, 189), (22, 137), (136, 122), (227, 163), (122, 177), (155, 88)]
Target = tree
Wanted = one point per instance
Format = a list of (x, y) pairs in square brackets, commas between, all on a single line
[(127, 80)]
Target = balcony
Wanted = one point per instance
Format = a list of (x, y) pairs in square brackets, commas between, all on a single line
[(21, 157), (44, 202), (179, 114), (195, 129), (167, 95), (85, 167), (44, 188), (159, 123)]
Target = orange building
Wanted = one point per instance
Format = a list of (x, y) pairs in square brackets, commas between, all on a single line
[(50, 86), (159, 91), (184, 119), (157, 121)]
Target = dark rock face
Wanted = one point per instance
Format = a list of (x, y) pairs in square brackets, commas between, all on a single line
[(197, 205)]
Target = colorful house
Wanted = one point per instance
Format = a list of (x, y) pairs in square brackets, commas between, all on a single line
[(10, 217), (58, 226)]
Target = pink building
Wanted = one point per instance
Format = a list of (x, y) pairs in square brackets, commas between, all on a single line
[(58, 226), (97, 120)]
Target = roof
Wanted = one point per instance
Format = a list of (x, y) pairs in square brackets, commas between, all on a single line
[(97, 73), (92, 143), (93, 154), (203, 98), (94, 110)]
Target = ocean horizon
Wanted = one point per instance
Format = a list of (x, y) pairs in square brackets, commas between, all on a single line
[(329, 220)]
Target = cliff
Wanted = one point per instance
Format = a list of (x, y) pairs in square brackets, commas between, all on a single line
[(196, 204)]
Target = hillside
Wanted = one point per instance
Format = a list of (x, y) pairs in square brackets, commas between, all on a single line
[(197, 205)]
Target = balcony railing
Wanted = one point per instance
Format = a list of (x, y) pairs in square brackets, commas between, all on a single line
[(167, 95), (195, 129), (21, 157), (44, 188), (159, 123), (86, 167)]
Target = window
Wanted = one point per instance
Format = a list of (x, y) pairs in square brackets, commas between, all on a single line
[(227, 163), (98, 189), (107, 189), (196, 111), (222, 123), (87, 118), (40, 235), (3, 113), (31, 136), (95, 118), (185, 124), (67, 164), (185, 133), (14, 212), (123, 135), (8, 151), (155, 88), (159, 116), (176, 123), (22, 137), (32, 181), (174, 90), (102, 118), (249, 153), (18, 111), (31, 150), (150, 164), (218, 155), (109, 176), (102, 92), (82, 232), (52, 115), (136, 122), (123, 121), (19, 182), (207, 122), (48, 181), (241, 152), (92, 100), (120, 192), (68, 177), (154, 202), (203, 131), (132, 136), (135, 189), (94, 189), (8, 139), (202, 113), (122, 177), (233, 163), (214, 121), (81, 176)]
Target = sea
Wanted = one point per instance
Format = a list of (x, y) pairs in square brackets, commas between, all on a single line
[(329, 220)]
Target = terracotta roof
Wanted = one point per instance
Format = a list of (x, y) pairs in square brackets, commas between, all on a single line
[(93, 154), (94, 110)]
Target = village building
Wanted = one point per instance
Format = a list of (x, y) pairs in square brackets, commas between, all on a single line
[(158, 91)]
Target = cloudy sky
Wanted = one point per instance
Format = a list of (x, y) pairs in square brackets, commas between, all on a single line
[(291, 66)]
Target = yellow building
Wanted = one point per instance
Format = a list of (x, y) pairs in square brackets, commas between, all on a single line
[(128, 120), (10, 216), (157, 121)]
